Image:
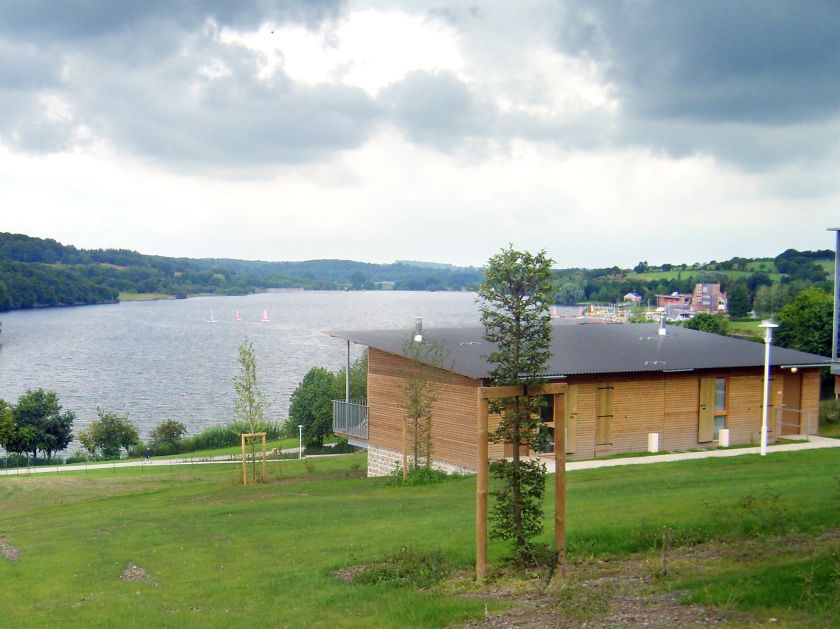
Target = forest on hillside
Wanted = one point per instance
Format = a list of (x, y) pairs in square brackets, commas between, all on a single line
[(36, 272)]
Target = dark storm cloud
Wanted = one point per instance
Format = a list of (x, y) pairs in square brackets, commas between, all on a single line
[(48, 20), (153, 79), (713, 76), (437, 108)]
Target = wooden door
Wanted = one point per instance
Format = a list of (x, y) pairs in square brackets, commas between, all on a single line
[(791, 404), (570, 413), (706, 418)]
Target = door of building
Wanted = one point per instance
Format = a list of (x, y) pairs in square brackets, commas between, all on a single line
[(791, 404)]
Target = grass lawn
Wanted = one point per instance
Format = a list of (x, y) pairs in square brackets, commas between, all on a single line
[(143, 296), (676, 274), (222, 554)]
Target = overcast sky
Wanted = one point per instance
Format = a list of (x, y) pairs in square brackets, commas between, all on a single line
[(603, 132)]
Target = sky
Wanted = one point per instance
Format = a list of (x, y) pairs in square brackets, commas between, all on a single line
[(604, 132)]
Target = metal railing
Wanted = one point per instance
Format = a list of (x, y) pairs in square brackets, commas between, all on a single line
[(801, 428), (350, 418)]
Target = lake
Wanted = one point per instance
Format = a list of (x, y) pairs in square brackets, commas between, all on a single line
[(158, 360)]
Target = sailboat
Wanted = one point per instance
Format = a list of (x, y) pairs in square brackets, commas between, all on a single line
[(265, 318), (212, 319), (237, 316)]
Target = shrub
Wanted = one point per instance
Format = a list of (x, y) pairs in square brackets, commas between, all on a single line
[(408, 567), (227, 435), (830, 412), (419, 476)]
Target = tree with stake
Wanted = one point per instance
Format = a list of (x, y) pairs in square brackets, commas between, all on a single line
[(249, 400), (419, 393), (516, 296)]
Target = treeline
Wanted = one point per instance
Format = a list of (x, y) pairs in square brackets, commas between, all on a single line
[(763, 286), (38, 272)]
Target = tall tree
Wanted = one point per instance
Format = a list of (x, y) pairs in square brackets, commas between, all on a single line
[(515, 310), (805, 323), (311, 406), (40, 412), (249, 398)]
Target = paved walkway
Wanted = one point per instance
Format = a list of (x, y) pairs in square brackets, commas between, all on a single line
[(79, 467), (813, 443)]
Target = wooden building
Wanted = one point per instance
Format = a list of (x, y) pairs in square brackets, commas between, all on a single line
[(625, 383)]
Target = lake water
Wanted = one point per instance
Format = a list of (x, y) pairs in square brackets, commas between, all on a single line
[(162, 359)]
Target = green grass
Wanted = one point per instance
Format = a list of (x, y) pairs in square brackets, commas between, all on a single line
[(688, 274), (143, 296), (221, 554)]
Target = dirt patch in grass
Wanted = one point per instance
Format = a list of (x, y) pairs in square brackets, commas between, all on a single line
[(7, 550), (628, 592), (133, 572)]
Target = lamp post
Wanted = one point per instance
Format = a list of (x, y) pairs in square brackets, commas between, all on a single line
[(768, 340), (300, 441)]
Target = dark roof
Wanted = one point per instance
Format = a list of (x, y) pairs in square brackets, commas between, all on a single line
[(599, 349)]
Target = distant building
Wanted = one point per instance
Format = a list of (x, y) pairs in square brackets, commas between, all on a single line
[(674, 299), (708, 298), (633, 297), (385, 285)]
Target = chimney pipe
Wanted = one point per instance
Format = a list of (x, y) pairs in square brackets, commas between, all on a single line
[(662, 331), (418, 329)]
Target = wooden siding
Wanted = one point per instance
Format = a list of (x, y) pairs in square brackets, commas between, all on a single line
[(668, 404), (454, 415)]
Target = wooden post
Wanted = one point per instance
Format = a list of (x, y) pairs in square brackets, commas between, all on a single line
[(481, 490), (263, 446), (405, 449), (244, 464), (560, 473)]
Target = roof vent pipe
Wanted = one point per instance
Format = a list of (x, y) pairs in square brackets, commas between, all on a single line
[(662, 331), (418, 329)]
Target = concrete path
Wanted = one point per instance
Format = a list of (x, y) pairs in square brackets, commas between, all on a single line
[(81, 467), (814, 443)]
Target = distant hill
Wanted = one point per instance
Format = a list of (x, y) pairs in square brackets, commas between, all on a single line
[(36, 272)]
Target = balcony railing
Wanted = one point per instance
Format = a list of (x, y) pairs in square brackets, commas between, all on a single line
[(350, 418)]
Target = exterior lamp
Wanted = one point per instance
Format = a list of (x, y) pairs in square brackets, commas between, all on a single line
[(768, 327), (300, 441)]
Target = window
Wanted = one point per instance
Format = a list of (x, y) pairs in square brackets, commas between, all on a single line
[(547, 427), (720, 406)]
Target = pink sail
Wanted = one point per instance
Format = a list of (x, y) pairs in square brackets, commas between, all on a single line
[(238, 317), (265, 318)]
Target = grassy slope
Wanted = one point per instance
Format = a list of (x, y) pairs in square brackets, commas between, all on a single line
[(223, 554)]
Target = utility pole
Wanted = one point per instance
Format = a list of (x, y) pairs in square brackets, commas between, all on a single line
[(835, 365)]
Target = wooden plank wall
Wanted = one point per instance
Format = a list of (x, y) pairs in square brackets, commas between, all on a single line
[(454, 415), (663, 403)]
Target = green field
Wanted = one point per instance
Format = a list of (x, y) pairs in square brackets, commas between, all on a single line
[(221, 554), (688, 274), (143, 296)]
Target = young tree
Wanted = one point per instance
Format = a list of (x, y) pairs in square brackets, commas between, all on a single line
[(358, 380), (419, 393), (110, 432), (707, 322), (515, 310), (38, 417), (311, 406), (249, 399), (166, 436)]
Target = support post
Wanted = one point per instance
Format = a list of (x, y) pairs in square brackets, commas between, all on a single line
[(481, 490), (244, 464), (263, 467), (560, 474), (347, 376)]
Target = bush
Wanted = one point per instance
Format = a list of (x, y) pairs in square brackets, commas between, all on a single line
[(342, 447), (408, 567), (830, 412), (419, 476), (227, 435)]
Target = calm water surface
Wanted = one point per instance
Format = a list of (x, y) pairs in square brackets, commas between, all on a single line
[(162, 359)]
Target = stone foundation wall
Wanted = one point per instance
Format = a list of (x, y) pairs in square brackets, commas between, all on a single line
[(382, 462)]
